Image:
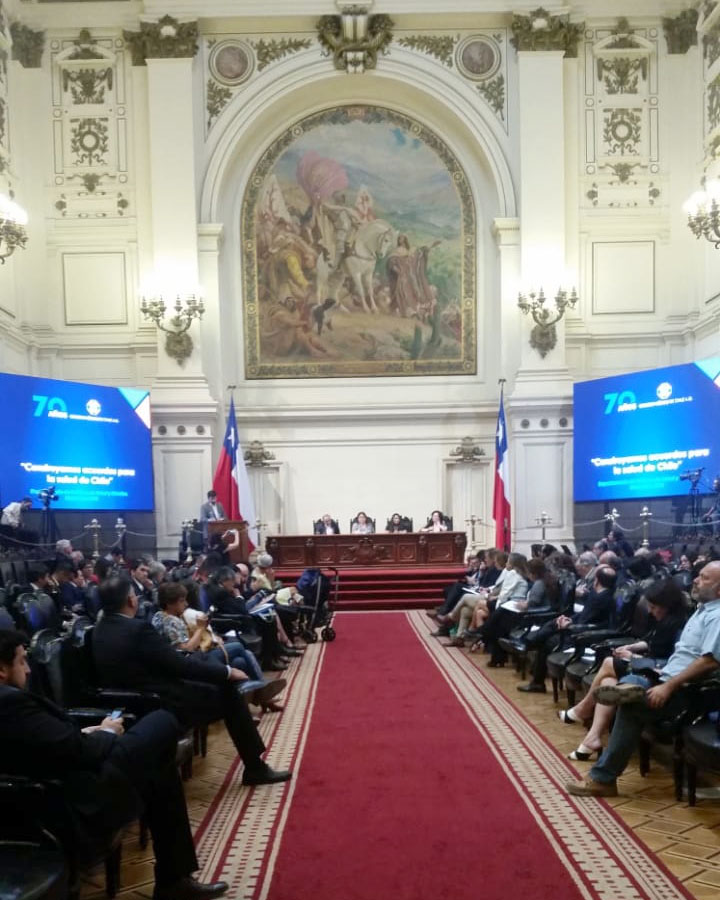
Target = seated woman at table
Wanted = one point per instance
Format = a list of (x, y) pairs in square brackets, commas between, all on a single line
[(436, 522), (397, 523), (362, 525)]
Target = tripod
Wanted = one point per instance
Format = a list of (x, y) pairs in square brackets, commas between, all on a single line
[(49, 532)]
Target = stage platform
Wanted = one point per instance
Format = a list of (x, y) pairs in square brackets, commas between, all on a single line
[(375, 587)]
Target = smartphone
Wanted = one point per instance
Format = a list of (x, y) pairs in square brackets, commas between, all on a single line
[(117, 714)]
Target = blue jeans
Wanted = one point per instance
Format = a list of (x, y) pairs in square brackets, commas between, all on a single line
[(239, 657), (629, 723)]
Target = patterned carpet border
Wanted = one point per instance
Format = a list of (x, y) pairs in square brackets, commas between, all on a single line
[(238, 836), (599, 851)]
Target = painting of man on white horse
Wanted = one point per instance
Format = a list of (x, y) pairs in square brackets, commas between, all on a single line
[(357, 217)]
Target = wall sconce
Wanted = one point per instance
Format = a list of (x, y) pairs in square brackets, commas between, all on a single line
[(704, 212), (178, 343), (13, 219), (543, 337)]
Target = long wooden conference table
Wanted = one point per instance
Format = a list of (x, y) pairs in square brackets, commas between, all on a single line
[(398, 549)]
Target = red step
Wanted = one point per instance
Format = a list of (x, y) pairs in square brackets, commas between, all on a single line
[(373, 587)]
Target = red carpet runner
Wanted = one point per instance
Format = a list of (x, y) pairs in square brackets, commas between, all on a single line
[(415, 778)]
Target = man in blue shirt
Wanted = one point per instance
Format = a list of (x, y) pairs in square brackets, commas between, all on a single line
[(641, 701)]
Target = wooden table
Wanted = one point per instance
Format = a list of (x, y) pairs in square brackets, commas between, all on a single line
[(415, 549)]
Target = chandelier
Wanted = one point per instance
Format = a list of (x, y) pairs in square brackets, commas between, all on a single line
[(703, 212), (543, 337), (178, 343), (13, 219)]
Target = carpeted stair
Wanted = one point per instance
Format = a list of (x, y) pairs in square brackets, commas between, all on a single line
[(388, 588)]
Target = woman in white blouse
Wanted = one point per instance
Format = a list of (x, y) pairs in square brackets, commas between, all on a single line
[(511, 587)]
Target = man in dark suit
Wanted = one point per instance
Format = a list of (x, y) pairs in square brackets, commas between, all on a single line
[(326, 525), (212, 511), (140, 577), (107, 776), (597, 611), (130, 653)]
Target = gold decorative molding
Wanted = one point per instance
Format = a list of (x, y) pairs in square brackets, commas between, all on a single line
[(539, 30), (165, 39), (27, 45), (354, 39)]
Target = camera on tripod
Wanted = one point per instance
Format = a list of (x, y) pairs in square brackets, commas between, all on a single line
[(48, 495), (693, 476)]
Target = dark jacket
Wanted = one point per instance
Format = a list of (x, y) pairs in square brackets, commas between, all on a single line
[(130, 653), (598, 609), (40, 741)]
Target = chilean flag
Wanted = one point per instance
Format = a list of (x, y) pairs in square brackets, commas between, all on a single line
[(231, 482), (501, 496)]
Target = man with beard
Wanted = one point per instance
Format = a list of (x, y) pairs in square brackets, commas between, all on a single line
[(641, 699)]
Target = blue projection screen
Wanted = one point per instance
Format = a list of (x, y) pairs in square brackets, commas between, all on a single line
[(92, 443), (636, 434)]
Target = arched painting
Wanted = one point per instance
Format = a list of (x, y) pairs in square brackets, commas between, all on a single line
[(358, 234)]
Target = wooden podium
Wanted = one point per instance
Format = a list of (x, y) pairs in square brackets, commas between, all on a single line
[(243, 551)]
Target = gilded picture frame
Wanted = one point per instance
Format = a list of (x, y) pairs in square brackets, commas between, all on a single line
[(358, 251)]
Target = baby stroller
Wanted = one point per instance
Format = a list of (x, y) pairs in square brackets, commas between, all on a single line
[(319, 591)]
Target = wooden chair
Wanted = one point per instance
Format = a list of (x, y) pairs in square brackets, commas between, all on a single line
[(371, 523)]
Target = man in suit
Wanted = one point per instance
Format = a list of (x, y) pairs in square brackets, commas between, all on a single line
[(597, 610), (326, 525), (140, 577), (107, 776), (130, 653), (212, 511)]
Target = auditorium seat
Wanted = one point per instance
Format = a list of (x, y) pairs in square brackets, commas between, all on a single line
[(32, 870), (36, 612), (701, 750), (31, 812)]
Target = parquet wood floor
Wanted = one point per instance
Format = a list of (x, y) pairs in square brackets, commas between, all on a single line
[(687, 840)]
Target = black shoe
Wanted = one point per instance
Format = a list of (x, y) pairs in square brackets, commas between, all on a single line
[(265, 775), (275, 666), (190, 889), (532, 688), (441, 632), (292, 651), (265, 694)]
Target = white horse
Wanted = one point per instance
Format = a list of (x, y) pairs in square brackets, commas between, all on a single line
[(373, 241)]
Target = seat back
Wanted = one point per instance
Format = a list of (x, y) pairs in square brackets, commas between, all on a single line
[(79, 679), (406, 523), (45, 665), (92, 602), (447, 521), (36, 612), (370, 522), (319, 526), (6, 620), (20, 569), (7, 574)]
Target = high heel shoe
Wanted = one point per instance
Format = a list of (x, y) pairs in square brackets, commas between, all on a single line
[(477, 647), (583, 754), (566, 718)]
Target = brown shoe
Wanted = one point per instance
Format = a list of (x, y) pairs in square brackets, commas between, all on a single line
[(590, 788)]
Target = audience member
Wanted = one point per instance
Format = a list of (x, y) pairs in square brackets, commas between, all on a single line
[(170, 622), (597, 610), (109, 775), (129, 653), (668, 610), (646, 698)]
